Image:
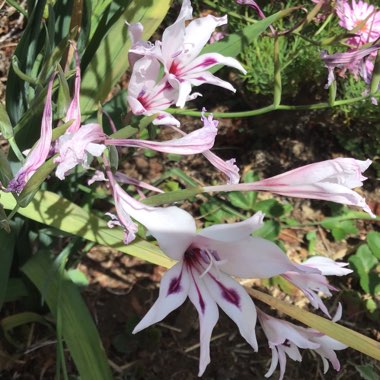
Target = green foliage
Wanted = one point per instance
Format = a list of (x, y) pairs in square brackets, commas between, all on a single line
[(367, 265), (78, 329), (367, 372)]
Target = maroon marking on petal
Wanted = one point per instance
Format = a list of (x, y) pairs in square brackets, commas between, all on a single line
[(200, 298), (208, 62), (175, 285), (229, 294)]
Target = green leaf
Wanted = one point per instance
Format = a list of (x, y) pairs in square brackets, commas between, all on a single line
[(8, 241), (78, 277), (173, 196), (367, 372), (214, 212), (4, 222), (11, 322), (363, 262), (111, 58), (373, 239), (270, 207), (311, 237), (270, 230), (26, 52), (244, 201), (51, 209), (5, 169), (5, 124), (16, 289), (78, 329), (340, 229), (343, 334)]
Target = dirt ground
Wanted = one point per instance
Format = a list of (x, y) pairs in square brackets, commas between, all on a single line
[(122, 288)]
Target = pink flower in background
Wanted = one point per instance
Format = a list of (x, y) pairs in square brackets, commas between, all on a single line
[(253, 5), (149, 95), (352, 14), (216, 36), (331, 180), (180, 48), (286, 338), (39, 153), (122, 201), (79, 143), (205, 261), (228, 168), (194, 142), (77, 148), (357, 61)]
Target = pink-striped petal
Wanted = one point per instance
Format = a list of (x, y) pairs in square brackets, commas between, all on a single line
[(174, 289), (208, 316), (235, 302)]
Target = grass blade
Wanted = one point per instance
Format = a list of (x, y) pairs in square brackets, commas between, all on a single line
[(8, 241), (78, 328)]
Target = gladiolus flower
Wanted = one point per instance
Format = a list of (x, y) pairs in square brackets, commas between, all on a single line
[(38, 154), (285, 338), (195, 142), (80, 142), (179, 53), (313, 283), (205, 261), (78, 148), (330, 180), (147, 95)]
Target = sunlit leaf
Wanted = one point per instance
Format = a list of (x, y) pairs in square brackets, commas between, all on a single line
[(51, 209)]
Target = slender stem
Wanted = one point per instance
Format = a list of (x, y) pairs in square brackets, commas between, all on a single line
[(13, 212), (267, 109), (277, 92), (323, 26), (230, 13)]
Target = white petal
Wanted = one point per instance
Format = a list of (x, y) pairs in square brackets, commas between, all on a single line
[(208, 316), (165, 118), (250, 257), (205, 77), (174, 35), (95, 149), (227, 167), (173, 228), (327, 266), (273, 363), (235, 302), (174, 289), (183, 88), (206, 61), (234, 231), (198, 32)]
